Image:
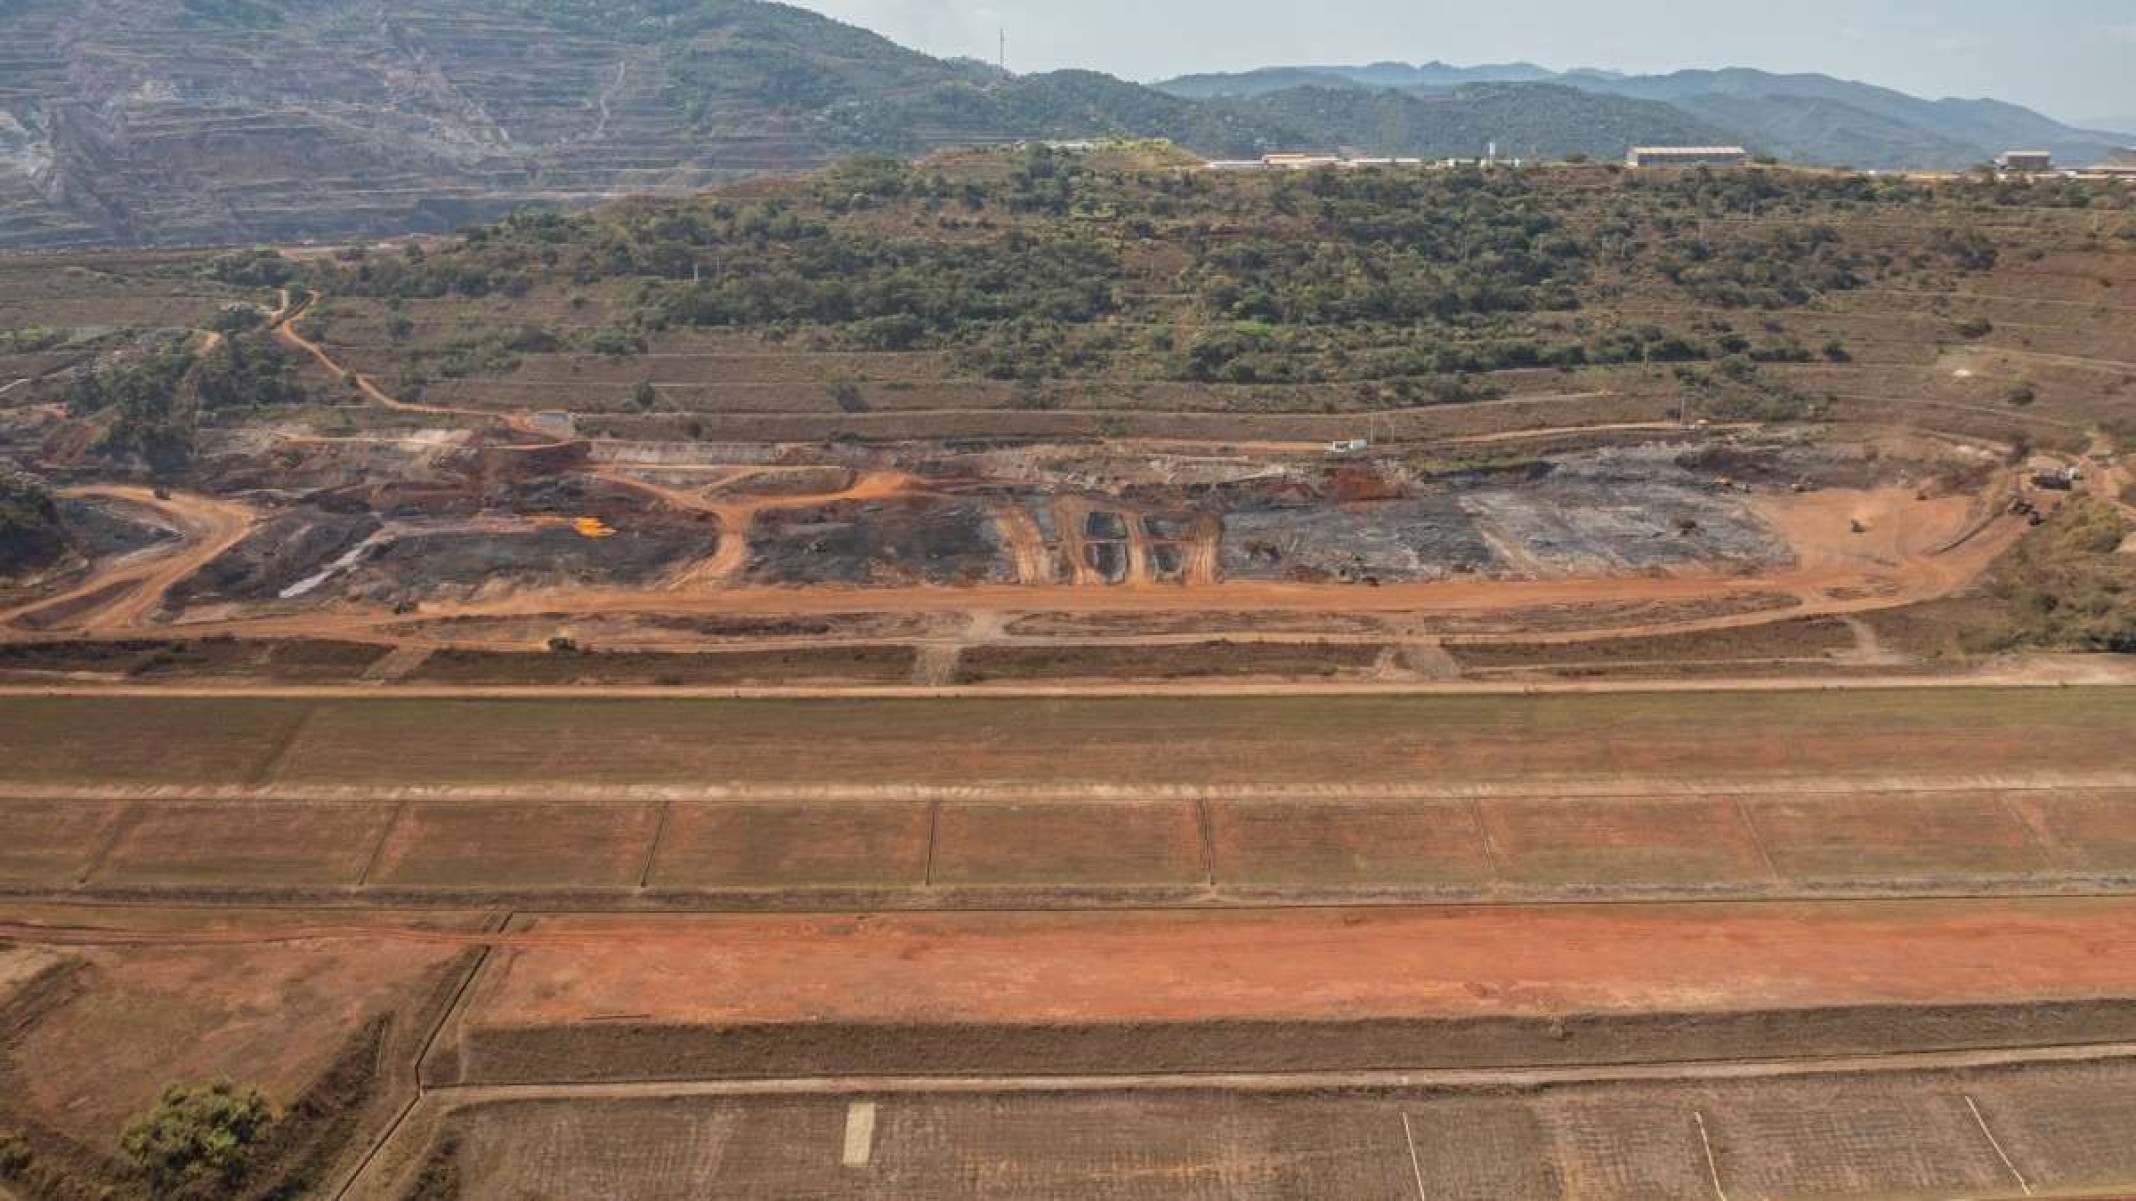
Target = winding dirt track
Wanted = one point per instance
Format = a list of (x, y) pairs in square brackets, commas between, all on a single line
[(284, 325), (135, 585)]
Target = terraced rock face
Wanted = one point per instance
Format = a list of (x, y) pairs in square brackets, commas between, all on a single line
[(190, 121)]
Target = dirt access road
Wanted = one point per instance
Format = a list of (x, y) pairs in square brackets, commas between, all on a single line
[(124, 594)]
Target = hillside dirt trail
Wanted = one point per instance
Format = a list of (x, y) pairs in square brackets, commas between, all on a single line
[(1025, 542), (284, 326)]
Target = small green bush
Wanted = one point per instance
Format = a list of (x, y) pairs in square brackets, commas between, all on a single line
[(197, 1142)]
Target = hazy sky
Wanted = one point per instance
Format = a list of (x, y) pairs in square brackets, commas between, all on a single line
[(2074, 59)]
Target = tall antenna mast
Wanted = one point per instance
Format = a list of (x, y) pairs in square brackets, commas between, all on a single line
[(1004, 50)]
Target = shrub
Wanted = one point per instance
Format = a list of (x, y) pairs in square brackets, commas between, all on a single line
[(260, 268), (615, 342), (1032, 396), (236, 319), (440, 1178), (846, 394), (197, 1142)]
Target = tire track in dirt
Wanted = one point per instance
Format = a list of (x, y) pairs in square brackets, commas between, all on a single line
[(1202, 565), (1140, 569), (1026, 543)]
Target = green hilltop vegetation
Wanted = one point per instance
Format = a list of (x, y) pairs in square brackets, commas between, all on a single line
[(1040, 266)]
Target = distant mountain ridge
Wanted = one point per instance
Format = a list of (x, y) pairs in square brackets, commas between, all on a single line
[(1804, 117), (1374, 75), (219, 121), (1536, 120), (2122, 127)]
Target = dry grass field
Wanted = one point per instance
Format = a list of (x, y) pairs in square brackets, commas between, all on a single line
[(1058, 803), (794, 845), (1338, 845), (505, 845), (263, 845), (1117, 844), (1376, 742), (1212, 851)]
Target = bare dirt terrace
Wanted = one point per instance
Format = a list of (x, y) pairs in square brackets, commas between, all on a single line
[(1929, 837), (1314, 894), (1002, 802), (1298, 990)]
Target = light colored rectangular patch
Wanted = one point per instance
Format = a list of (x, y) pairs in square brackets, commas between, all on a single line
[(859, 1134)]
